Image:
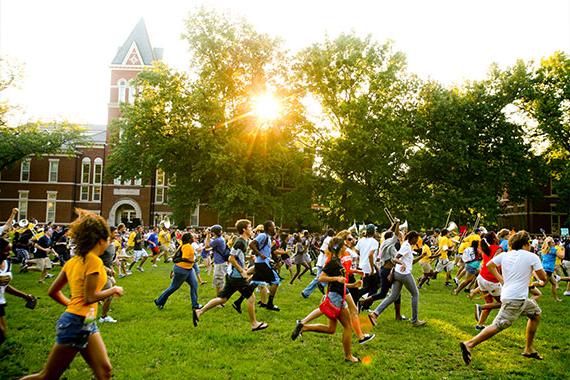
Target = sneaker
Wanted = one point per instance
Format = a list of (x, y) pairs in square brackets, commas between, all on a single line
[(303, 295), (129, 273), (160, 307), (122, 275), (456, 281), (419, 323), (49, 275), (556, 278), (321, 288), (197, 307), (448, 284), (154, 265), (478, 312), (107, 319), (297, 331), (567, 293), (366, 338), (140, 269), (272, 307), (479, 327)]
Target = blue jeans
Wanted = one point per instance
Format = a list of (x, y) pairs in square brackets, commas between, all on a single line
[(181, 275), (313, 284)]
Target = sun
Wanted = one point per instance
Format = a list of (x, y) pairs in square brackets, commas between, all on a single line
[(266, 107)]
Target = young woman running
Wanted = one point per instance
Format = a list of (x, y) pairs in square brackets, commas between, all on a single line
[(76, 330), (335, 275), (300, 259), (487, 283)]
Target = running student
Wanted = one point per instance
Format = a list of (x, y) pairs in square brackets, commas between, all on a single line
[(517, 267), (76, 330), (264, 274), (236, 280)]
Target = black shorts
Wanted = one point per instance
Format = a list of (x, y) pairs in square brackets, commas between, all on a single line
[(233, 285), (2, 310), (264, 275)]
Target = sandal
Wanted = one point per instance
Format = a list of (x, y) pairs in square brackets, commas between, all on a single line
[(532, 355), (353, 361), (465, 352), (261, 326)]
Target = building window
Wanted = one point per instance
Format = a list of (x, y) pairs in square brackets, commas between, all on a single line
[(25, 170), (117, 181), (138, 182), (50, 206), (85, 178), (97, 178), (23, 204), (53, 170), (161, 187), (132, 93), (122, 91)]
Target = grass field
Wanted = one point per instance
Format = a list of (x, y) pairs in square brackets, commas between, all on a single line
[(148, 343)]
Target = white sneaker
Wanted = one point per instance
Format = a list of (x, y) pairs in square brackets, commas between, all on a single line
[(556, 278), (140, 269), (154, 265), (567, 293), (129, 273), (108, 319)]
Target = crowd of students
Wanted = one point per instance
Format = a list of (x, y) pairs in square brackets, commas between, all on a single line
[(352, 268)]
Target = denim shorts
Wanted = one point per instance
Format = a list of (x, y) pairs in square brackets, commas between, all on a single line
[(336, 299), (72, 331)]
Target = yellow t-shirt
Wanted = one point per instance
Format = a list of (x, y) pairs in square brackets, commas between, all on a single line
[(76, 270), (164, 238), (187, 253), (467, 242), (559, 251), (445, 243), (131, 241), (427, 252)]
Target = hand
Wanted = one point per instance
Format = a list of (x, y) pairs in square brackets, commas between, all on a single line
[(396, 220), (341, 279), (403, 267), (118, 291), (358, 284), (15, 211)]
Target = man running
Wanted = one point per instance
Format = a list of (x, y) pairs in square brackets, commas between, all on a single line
[(264, 273)]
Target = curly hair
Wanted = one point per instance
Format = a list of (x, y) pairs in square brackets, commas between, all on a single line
[(87, 230)]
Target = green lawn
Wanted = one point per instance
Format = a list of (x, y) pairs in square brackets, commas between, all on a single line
[(152, 344)]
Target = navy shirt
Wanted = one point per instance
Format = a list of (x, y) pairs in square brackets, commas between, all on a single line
[(218, 247)]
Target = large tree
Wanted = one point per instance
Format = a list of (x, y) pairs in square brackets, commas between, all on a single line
[(200, 129)]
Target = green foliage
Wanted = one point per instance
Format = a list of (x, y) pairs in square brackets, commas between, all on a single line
[(38, 138), (147, 343), (201, 131)]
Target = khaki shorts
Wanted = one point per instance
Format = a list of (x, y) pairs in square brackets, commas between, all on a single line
[(444, 265), (426, 267), (41, 264), (511, 310), (110, 282), (219, 275)]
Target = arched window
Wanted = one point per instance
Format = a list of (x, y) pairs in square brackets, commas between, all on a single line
[(122, 90), (97, 178), (132, 92), (85, 178)]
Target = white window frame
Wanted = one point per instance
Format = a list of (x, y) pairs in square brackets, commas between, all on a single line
[(161, 187), (137, 182), (51, 197), (53, 161), (85, 171), (23, 204), (122, 88), (132, 93), (96, 191), (25, 162)]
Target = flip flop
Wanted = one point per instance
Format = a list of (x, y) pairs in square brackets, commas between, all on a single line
[(466, 353), (195, 318), (532, 355), (261, 326), (372, 319)]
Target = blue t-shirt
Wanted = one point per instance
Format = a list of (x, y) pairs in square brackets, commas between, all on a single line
[(504, 244), (218, 247), (153, 240), (264, 245), (549, 260)]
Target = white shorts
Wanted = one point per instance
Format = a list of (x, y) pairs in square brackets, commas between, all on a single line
[(140, 254), (426, 267), (493, 288), (566, 265), (444, 265)]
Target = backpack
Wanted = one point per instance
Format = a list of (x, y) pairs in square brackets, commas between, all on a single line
[(177, 258)]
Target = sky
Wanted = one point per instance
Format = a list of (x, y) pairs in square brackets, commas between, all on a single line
[(64, 47)]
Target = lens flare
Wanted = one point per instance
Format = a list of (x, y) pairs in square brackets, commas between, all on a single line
[(266, 107)]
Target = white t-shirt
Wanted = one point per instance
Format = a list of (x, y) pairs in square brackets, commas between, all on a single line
[(322, 257), (364, 246), (5, 270), (516, 267), (407, 258)]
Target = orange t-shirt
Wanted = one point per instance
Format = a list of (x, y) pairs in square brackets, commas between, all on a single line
[(77, 269), (187, 253)]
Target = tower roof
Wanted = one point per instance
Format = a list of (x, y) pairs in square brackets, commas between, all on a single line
[(139, 40)]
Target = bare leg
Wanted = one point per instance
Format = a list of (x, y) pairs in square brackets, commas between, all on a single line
[(531, 327), (211, 304), (59, 359), (346, 335), (312, 315), (487, 333), (96, 356), (353, 311)]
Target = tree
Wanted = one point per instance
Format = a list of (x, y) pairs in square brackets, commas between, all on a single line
[(199, 128), (367, 96)]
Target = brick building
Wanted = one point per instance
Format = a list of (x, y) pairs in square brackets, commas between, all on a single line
[(50, 187)]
